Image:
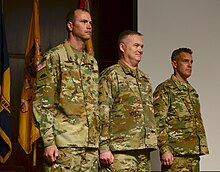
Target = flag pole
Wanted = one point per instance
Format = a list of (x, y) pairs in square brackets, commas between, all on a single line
[(34, 153)]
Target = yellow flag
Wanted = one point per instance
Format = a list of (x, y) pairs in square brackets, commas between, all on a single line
[(89, 46), (28, 133)]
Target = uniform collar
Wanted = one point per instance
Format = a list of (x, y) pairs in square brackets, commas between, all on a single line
[(81, 57), (128, 70), (182, 85)]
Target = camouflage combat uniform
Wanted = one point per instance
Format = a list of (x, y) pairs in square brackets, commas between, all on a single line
[(179, 121), (127, 119), (66, 100)]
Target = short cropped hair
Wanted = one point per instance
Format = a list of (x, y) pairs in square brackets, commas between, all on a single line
[(125, 33), (70, 17), (177, 52)]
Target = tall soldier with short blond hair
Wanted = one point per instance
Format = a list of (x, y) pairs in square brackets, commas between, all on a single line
[(181, 134), (128, 131), (66, 100)]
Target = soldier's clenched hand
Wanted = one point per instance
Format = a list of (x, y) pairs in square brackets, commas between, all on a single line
[(51, 153), (106, 158), (167, 159)]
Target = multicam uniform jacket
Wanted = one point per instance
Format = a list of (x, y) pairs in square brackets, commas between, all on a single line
[(179, 121), (126, 110), (66, 98)]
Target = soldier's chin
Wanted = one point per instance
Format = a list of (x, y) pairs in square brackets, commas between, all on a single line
[(138, 60), (86, 38)]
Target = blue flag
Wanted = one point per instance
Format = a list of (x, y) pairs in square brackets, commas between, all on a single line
[(5, 142)]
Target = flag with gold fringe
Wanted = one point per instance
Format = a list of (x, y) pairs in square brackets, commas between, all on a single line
[(5, 129), (89, 46), (28, 132)]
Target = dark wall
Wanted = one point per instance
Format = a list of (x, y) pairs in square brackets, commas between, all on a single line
[(114, 17), (110, 17)]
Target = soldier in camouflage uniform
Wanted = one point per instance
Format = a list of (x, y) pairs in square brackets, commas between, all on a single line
[(181, 134), (66, 100), (128, 130)]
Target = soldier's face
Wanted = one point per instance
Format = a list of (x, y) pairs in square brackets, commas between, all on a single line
[(183, 66), (82, 27), (132, 49)]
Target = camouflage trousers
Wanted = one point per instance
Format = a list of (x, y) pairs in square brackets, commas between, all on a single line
[(75, 160), (129, 161), (183, 164)]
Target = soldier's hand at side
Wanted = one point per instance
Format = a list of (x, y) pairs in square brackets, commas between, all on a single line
[(51, 153), (106, 158), (167, 158)]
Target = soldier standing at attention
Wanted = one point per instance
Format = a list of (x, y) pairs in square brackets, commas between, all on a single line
[(66, 100), (128, 130), (181, 134)]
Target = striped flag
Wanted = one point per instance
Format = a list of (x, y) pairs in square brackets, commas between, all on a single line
[(28, 132), (5, 129), (89, 47)]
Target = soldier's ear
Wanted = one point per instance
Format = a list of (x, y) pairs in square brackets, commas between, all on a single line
[(174, 64), (122, 47), (69, 26)]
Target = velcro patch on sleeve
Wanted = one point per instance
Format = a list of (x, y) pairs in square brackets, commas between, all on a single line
[(43, 77)]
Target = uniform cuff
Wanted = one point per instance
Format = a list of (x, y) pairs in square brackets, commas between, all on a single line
[(166, 149)]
